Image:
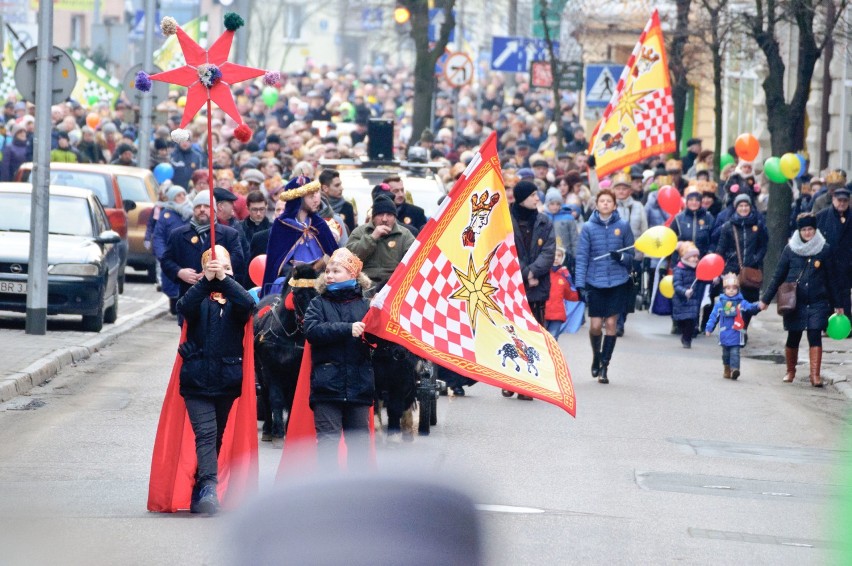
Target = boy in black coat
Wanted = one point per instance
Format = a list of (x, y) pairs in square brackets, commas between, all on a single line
[(216, 310), (342, 383)]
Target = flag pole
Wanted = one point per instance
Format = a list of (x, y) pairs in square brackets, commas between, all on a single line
[(607, 254), (210, 181)]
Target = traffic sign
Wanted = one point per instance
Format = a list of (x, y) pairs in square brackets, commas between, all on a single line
[(159, 89), (554, 17), (436, 20), (138, 30), (458, 69), (571, 77), (371, 19), (514, 54), (600, 84), (63, 79)]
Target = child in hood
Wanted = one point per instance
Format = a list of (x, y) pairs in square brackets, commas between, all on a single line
[(686, 302), (728, 312), (560, 291)]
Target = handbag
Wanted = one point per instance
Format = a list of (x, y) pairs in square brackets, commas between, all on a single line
[(785, 298), (750, 277)]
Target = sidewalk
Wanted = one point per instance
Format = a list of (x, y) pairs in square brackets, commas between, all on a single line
[(31, 360), (766, 338)]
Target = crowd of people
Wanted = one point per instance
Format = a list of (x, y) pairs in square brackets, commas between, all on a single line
[(574, 232)]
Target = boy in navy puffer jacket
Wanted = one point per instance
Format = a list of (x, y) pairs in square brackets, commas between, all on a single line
[(686, 302), (728, 312)]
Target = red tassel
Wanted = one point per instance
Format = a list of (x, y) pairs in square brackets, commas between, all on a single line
[(243, 133)]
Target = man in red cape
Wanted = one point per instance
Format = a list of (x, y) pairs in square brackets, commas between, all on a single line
[(174, 462)]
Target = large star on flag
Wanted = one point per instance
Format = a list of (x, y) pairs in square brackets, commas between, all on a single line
[(207, 75), (476, 290)]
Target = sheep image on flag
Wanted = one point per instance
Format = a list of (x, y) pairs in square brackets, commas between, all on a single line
[(458, 297)]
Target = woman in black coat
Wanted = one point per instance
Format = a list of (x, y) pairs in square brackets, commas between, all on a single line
[(807, 261), (746, 233), (342, 384), (216, 310)]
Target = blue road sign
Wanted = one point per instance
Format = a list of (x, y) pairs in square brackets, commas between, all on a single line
[(514, 54), (371, 19), (436, 20), (601, 81)]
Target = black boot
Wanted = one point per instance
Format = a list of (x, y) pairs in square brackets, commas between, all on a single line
[(606, 356), (596, 354)]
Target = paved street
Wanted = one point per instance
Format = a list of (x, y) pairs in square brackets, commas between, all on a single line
[(669, 463)]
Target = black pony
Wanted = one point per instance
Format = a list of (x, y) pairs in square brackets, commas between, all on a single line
[(278, 348)]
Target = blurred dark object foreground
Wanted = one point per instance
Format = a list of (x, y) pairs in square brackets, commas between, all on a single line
[(357, 519)]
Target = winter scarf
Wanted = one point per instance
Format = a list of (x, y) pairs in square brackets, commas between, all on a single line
[(809, 248)]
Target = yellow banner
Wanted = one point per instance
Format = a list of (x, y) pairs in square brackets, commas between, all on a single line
[(69, 5), (638, 122), (458, 297)]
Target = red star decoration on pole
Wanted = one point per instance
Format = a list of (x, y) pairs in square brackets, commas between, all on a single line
[(197, 92)]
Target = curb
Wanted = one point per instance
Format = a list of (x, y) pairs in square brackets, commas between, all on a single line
[(20, 383)]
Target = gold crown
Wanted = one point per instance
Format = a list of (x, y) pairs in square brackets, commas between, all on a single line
[(620, 179), (304, 190), (730, 279), (348, 260), (706, 187), (835, 178), (221, 254), (674, 165), (483, 203), (663, 180)]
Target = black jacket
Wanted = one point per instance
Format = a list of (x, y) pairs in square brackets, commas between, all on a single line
[(184, 249), (816, 291), (410, 214), (250, 228), (213, 365), (696, 227), (536, 258), (838, 235), (753, 240), (342, 369)]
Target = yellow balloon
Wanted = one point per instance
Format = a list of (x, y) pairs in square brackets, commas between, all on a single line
[(658, 241), (667, 286), (790, 165), (181, 102)]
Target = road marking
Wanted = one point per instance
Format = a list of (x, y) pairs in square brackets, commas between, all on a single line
[(508, 509)]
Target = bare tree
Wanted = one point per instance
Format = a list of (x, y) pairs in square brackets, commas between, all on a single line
[(717, 33), (556, 70), (678, 64), (265, 25), (786, 120), (426, 57)]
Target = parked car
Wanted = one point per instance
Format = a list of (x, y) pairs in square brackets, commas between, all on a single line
[(82, 254), (102, 181), (422, 186), (138, 185)]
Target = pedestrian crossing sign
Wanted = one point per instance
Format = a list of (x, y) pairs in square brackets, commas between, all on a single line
[(601, 81)]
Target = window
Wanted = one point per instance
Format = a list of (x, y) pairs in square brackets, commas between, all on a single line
[(294, 16), (77, 26), (133, 188)]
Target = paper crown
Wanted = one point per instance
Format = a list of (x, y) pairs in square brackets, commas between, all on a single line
[(482, 203), (730, 279), (620, 179), (348, 260), (674, 165), (705, 187), (663, 180), (221, 254), (835, 178)]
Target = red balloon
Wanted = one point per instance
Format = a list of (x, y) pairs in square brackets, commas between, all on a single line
[(256, 269), (669, 199), (747, 147), (710, 267)]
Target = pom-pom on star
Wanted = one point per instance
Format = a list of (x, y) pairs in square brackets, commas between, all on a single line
[(243, 133), (272, 78), (209, 75), (233, 21), (168, 26), (143, 81), (180, 135)]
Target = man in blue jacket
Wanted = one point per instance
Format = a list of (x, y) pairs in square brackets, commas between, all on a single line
[(186, 160)]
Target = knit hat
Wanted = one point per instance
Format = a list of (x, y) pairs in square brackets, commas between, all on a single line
[(253, 175), (173, 192), (383, 205), (379, 190), (347, 260), (202, 197), (124, 148), (806, 220), (553, 195), (525, 173), (523, 190), (742, 198)]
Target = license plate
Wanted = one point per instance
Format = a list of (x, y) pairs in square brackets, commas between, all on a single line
[(14, 287)]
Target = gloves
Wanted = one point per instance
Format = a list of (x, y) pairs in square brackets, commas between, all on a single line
[(189, 350), (616, 256), (590, 160)]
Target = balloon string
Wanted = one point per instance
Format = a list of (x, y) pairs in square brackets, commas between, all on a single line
[(210, 181)]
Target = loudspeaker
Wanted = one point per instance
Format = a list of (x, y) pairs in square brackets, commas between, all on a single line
[(380, 139)]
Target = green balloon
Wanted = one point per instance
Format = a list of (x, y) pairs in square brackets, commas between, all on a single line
[(270, 96), (839, 326), (725, 160), (772, 168), (93, 99)]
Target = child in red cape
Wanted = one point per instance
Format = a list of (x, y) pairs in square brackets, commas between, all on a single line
[(560, 291), (206, 444)]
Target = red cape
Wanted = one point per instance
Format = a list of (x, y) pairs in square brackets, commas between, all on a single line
[(173, 463), (300, 447)]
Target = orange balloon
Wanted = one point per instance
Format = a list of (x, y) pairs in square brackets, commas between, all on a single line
[(747, 147), (92, 120)]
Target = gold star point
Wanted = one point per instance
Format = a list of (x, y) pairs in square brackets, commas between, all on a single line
[(629, 103)]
